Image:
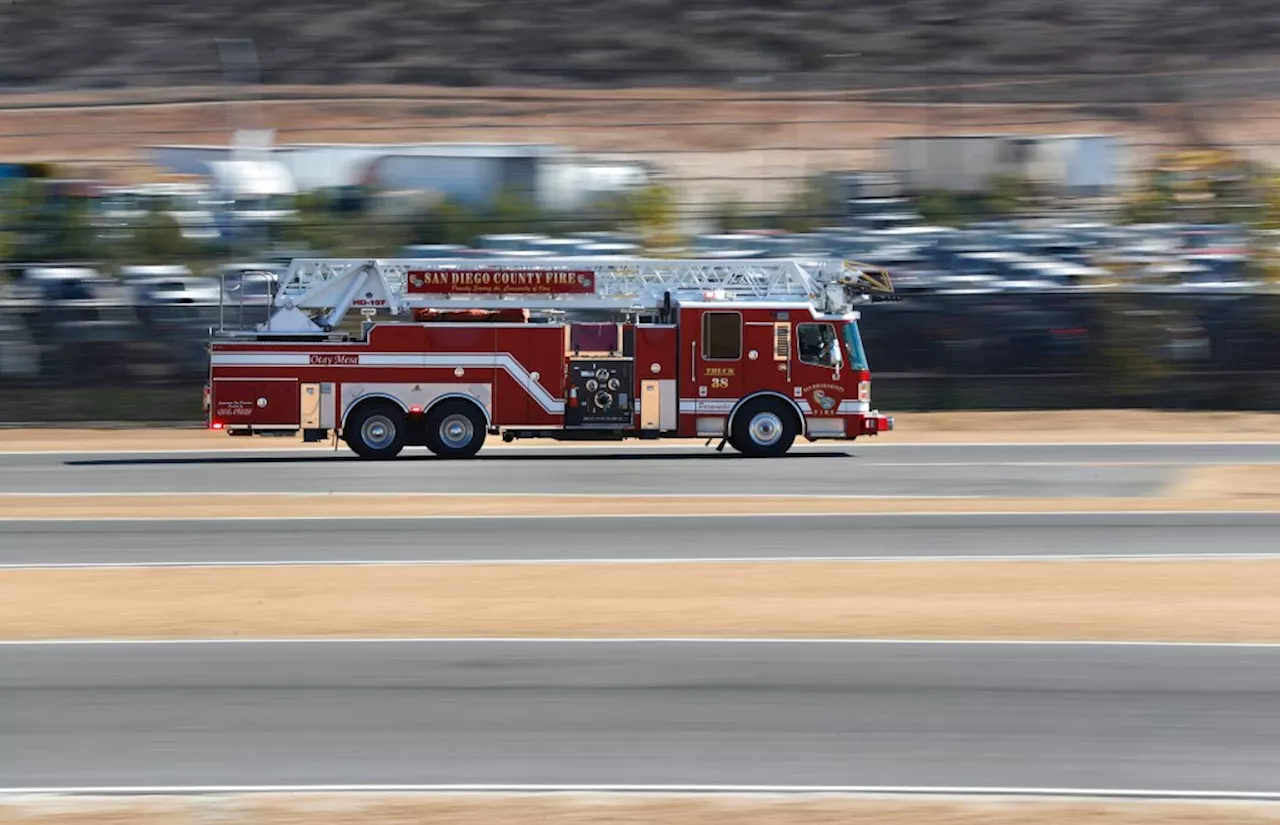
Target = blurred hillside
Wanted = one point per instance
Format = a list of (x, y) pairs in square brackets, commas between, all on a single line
[(62, 44)]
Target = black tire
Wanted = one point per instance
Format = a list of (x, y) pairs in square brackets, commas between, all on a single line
[(763, 428), (376, 430), (455, 429)]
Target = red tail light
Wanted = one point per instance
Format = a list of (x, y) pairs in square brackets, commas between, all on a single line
[(216, 425)]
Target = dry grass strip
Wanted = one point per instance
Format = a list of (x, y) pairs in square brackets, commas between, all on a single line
[(1094, 600), (207, 506), (396, 809), (1252, 485)]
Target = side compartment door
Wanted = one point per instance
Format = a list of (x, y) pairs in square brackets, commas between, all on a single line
[(712, 360), (530, 389), (657, 377), (270, 403)]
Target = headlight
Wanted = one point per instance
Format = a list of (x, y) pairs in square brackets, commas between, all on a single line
[(864, 390)]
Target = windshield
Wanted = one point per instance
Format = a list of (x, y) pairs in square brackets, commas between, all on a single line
[(853, 343)]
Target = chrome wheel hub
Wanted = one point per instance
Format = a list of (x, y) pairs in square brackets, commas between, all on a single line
[(456, 431), (765, 429), (378, 432)]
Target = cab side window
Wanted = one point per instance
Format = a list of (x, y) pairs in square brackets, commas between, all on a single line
[(816, 344), (722, 336)]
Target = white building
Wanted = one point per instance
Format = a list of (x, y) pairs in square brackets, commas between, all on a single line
[(472, 174), (1064, 164)]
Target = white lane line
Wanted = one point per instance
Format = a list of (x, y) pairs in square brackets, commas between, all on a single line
[(481, 467), (1106, 464), (630, 641), (424, 494), (798, 513), (561, 561), (655, 790), (328, 449)]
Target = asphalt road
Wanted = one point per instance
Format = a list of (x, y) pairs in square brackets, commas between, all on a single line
[(955, 715), (880, 469), (525, 539)]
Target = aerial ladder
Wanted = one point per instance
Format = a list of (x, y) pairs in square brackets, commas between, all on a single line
[(316, 294)]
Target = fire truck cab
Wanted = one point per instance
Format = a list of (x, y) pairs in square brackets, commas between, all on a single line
[(753, 353)]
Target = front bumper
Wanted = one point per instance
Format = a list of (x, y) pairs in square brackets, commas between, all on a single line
[(873, 424)]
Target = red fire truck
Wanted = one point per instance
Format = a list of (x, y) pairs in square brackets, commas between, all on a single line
[(751, 352)]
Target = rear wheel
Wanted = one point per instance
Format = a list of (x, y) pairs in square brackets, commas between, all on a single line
[(376, 430), (455, 429), (763, 428)]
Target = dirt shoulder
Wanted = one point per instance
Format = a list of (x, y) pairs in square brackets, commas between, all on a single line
[(1084, 426), (1130, 601), (1071, 426), (600, 809)]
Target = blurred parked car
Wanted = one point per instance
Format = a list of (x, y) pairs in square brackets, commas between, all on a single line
[(177, 290), (54, 283)]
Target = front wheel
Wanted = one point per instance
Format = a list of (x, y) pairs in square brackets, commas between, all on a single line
[(455, 429), (376, 430), (763, 429)]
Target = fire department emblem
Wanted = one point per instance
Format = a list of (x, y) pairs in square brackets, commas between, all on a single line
[(826, 402)]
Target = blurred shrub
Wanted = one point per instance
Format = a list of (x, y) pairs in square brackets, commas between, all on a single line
[(1202, 187), (943, 208), (651, 212), (444, 222), (1150, 205), (816, 203), (159, 239), (730, 216), (1005, 196), (44, 225), (514, 212)]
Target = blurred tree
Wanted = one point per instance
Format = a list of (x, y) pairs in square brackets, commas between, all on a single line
[(513, 212), (600, 215), (312, 225), (816, 203), (444, 222), (159, 239), (45, 226), (1270, 215), (652, 212), (942, 208), (1007, 195), (731, 216)]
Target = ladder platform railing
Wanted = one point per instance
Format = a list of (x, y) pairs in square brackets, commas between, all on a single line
[(396, 284), (753, 277)]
